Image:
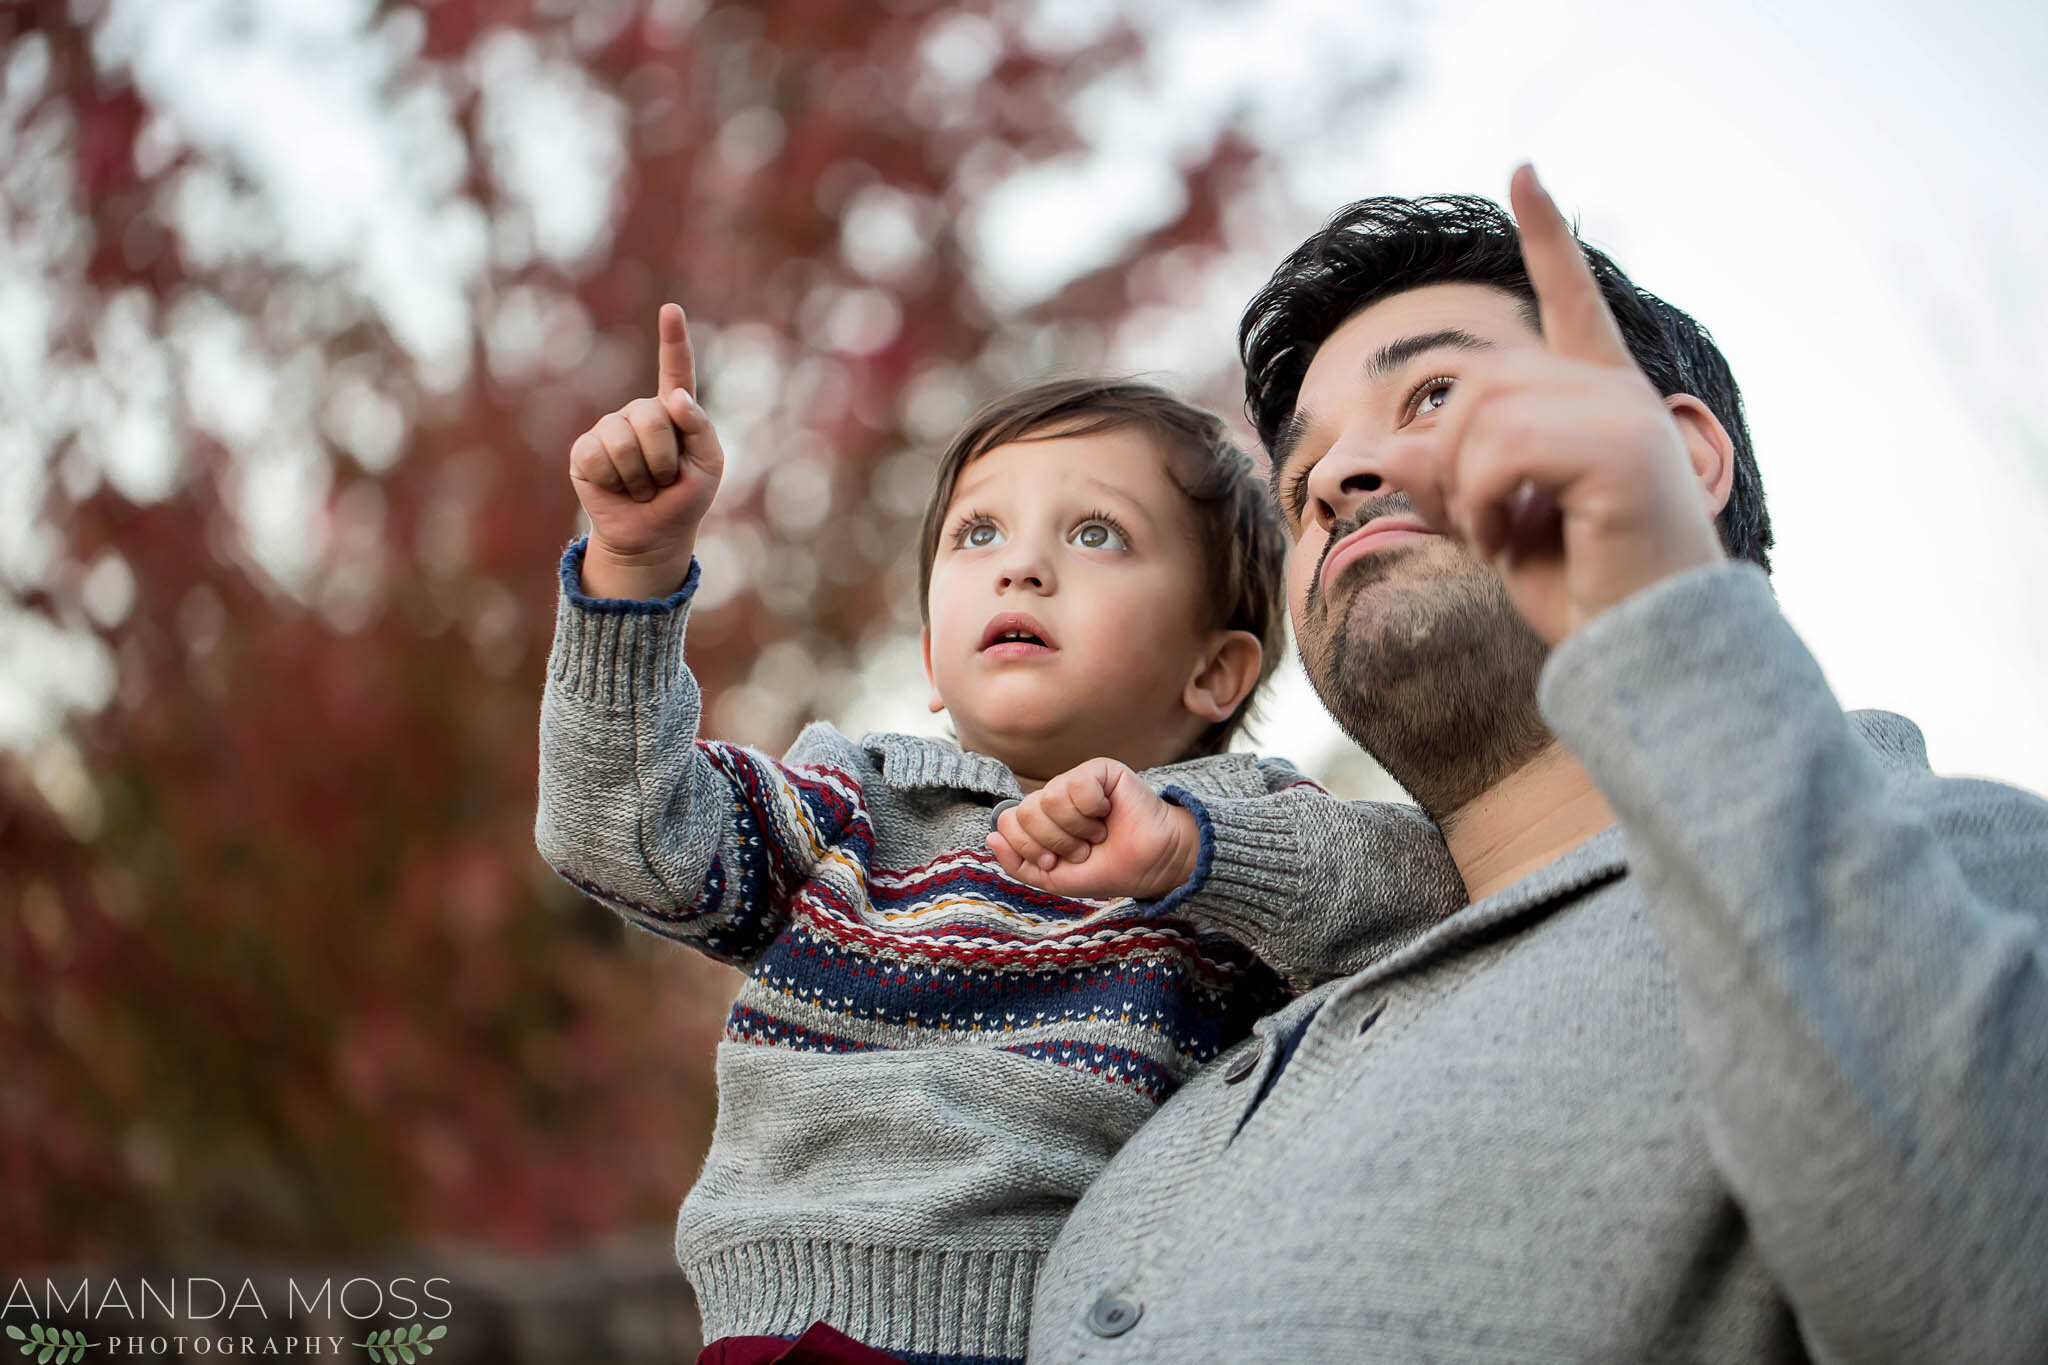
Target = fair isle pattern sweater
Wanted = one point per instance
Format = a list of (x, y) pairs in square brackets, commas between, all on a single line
[(927, 1062)]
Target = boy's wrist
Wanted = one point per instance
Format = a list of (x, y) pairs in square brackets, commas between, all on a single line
[(1187, 850), (1192, 852), (608, 574)]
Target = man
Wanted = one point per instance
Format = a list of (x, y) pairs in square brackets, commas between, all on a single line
[(1740, 1050)]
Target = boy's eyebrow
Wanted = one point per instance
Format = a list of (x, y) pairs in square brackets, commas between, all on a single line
[(1121, 495), (1377, 367), (1128, 505)]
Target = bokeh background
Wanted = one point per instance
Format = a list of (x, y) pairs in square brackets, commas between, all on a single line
[(302, 303)]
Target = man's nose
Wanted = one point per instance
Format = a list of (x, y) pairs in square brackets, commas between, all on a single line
[(1348, 474)]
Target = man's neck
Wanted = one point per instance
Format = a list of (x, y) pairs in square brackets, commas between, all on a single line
[(1525, 821)]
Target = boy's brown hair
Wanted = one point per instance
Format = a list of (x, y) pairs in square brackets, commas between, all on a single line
[(1244, 546)]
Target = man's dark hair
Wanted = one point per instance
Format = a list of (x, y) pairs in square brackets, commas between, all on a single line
[(1243, 542), (1379, 247)]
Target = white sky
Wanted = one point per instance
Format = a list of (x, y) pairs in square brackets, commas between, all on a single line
[(1852, 196)]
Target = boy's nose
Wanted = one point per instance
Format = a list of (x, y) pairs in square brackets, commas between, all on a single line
[(1024, 571)]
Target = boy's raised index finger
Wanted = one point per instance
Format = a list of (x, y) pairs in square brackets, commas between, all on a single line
[(677, 365), (1576, 320)]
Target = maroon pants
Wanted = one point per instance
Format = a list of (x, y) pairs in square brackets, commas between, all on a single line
[(819, 1345)]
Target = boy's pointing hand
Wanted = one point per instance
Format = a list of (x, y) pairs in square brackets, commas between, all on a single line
[(1097, 832), (646, 476)]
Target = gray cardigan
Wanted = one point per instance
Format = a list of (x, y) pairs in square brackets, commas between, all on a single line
[(1760, 1073)]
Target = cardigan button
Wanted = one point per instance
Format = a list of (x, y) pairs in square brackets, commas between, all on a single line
[(996, 812), (1243, 1067), (1113, 1315)]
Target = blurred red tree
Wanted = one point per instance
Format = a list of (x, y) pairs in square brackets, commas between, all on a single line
[(281, 971)]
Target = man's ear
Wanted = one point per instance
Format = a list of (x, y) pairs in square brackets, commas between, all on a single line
[(925, 642), (1227, 675), (1708, 446)]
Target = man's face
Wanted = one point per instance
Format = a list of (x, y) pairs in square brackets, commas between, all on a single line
[(1412, 643)]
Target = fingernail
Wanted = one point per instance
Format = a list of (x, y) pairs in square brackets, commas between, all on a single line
[(1047, 861)]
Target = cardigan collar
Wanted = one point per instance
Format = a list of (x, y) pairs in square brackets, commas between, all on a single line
[(909, 761), (1604, 858), (1599, 860)]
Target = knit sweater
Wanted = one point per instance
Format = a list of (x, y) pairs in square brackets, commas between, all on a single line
[(1759, 1074), (927, 1061)]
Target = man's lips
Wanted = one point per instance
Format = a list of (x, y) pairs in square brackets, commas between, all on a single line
[(1014, 623), (1381, 533)]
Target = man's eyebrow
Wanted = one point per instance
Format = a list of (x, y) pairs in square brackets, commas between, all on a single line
[(1378, 366), (1401, 350)]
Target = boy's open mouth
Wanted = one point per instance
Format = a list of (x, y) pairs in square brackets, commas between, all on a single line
[(1015, 634)]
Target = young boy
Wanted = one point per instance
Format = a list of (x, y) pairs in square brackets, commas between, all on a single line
[(929, 1060)]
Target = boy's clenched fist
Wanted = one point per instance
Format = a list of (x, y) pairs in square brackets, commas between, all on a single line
[(1097, 832)]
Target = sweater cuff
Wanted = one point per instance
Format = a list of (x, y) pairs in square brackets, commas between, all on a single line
[(572, 587), (610, 651), (1681, 682), (1247, 876)]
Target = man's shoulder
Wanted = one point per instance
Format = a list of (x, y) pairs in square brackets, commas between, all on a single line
[(1896, 741), (1901, 750), (1997, 832)]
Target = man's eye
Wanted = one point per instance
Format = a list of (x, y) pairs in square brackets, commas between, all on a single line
[(1098, 535), (1295, 500), (1429, 397), (981, 534)]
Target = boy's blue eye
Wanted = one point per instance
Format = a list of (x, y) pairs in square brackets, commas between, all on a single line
[(981, 535), (1098, 535)]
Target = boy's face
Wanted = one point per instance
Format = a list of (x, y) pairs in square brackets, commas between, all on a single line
[(1067, 619)]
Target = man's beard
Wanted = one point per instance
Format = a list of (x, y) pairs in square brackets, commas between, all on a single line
[(1434, 675)]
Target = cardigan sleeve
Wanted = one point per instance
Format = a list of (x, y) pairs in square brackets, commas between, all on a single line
[(1861, 952)]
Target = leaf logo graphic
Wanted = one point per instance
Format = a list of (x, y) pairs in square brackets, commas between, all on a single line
[(395, 1344), (58, 1343)]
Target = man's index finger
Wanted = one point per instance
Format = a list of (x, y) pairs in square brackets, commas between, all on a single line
[(1576, 320), (677, 364)]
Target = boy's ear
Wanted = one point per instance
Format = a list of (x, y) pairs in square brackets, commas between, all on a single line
[(1226, 677), (925, 641)]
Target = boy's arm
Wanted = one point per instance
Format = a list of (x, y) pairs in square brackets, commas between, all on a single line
[(695, 840), (691, 839), (1318, 887)]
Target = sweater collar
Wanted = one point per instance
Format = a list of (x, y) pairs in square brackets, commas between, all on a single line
[(1224, 775), (1598, 860), (909, 761), (1604, 857), (921, 761)]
